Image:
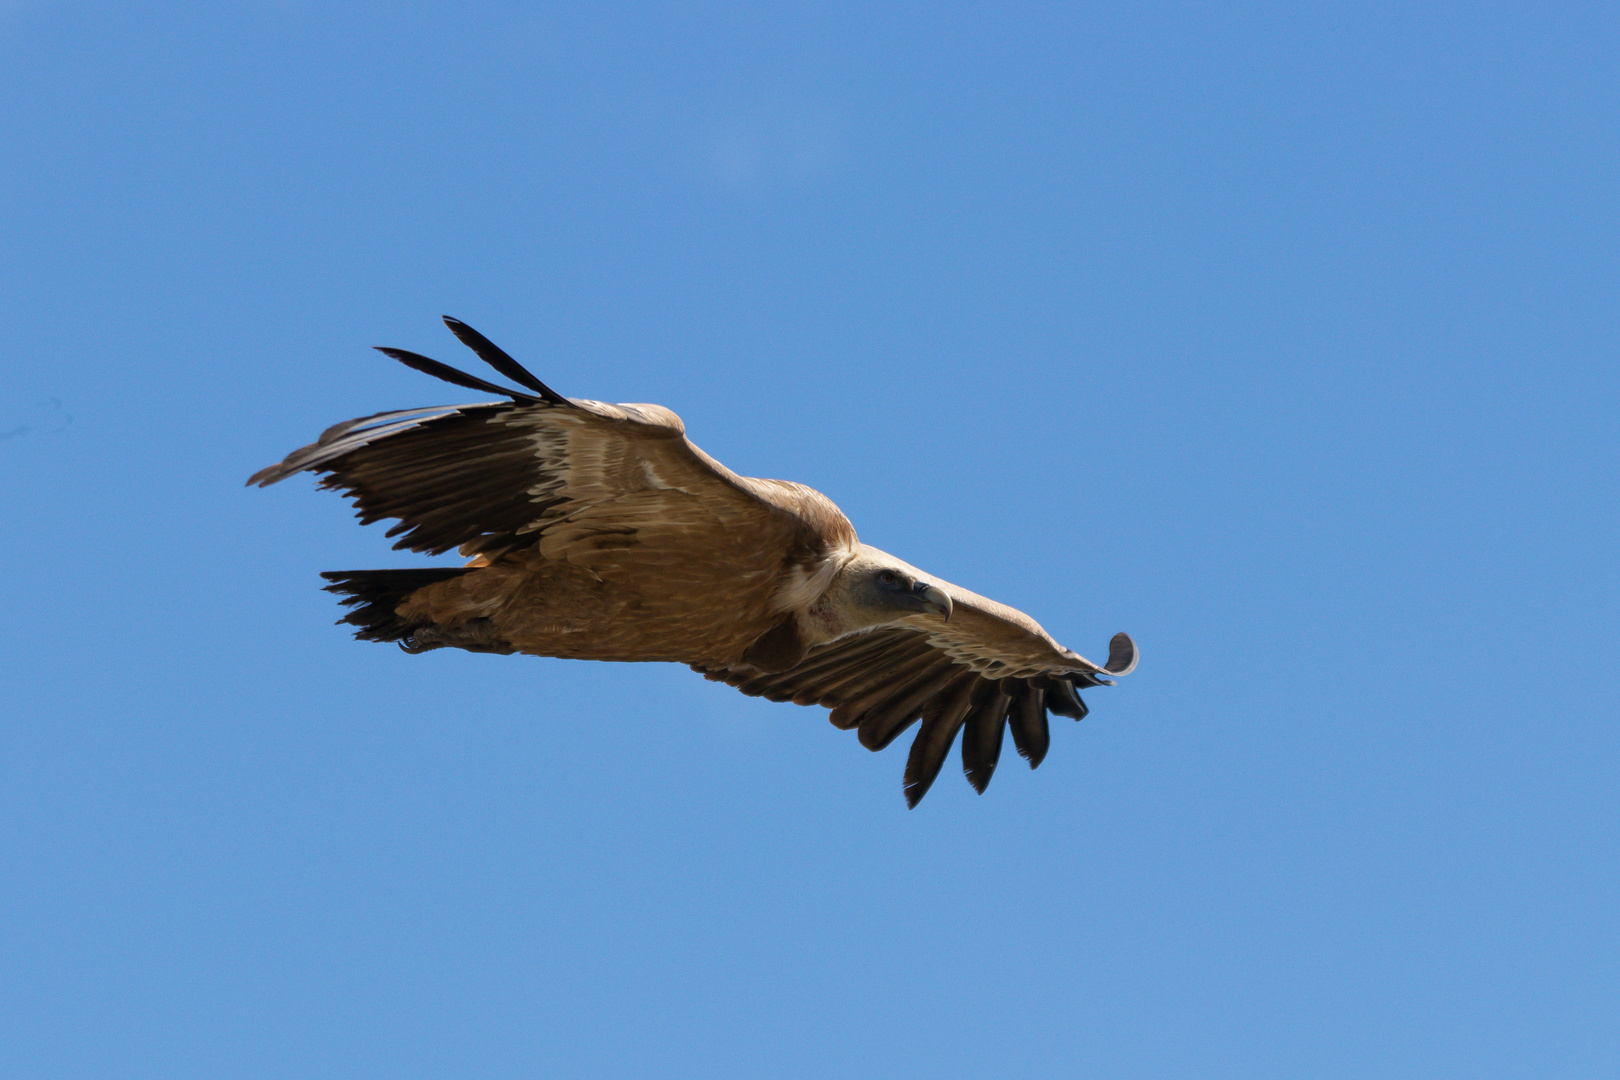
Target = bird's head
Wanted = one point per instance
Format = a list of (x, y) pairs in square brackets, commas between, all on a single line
[(884, 589)]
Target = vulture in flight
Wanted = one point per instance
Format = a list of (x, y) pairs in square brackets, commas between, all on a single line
[(600, 532)]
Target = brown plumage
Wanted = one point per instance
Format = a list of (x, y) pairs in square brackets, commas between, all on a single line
[(600, 532)]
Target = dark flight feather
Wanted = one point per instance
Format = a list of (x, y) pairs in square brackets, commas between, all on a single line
[(1122, 655), (877, 687), (497, 358), (1061, 698), (429, 366), (985, 727), (884, 723), (940, 723), (1027, 718)]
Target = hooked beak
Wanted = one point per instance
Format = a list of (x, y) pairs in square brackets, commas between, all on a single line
[(935, 597)]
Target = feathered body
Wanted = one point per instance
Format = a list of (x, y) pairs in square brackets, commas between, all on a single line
[(600, 532)]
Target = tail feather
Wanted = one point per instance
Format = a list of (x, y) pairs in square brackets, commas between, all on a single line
[(374, 594)]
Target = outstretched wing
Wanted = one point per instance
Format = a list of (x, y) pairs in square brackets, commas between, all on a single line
[(580, 479), (987, 669)]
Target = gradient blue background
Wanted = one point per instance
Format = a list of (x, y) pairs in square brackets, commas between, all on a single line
[(1284, 339)]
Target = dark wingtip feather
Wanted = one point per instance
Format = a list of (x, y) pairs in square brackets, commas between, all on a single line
[(982, 734), (449, 374), (498, 358), (942, 719), (1122, 655), (881, 726), (1027, 718), (1061, 698)]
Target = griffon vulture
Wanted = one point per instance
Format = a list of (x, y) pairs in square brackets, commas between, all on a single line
[(600, 532)]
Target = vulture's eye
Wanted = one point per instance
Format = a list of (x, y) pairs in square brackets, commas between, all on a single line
[(887, 577)]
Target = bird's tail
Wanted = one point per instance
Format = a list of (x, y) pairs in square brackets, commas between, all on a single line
[(374, 594)]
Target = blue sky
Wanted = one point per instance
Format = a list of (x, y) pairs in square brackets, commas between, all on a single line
[(1282, 337)]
